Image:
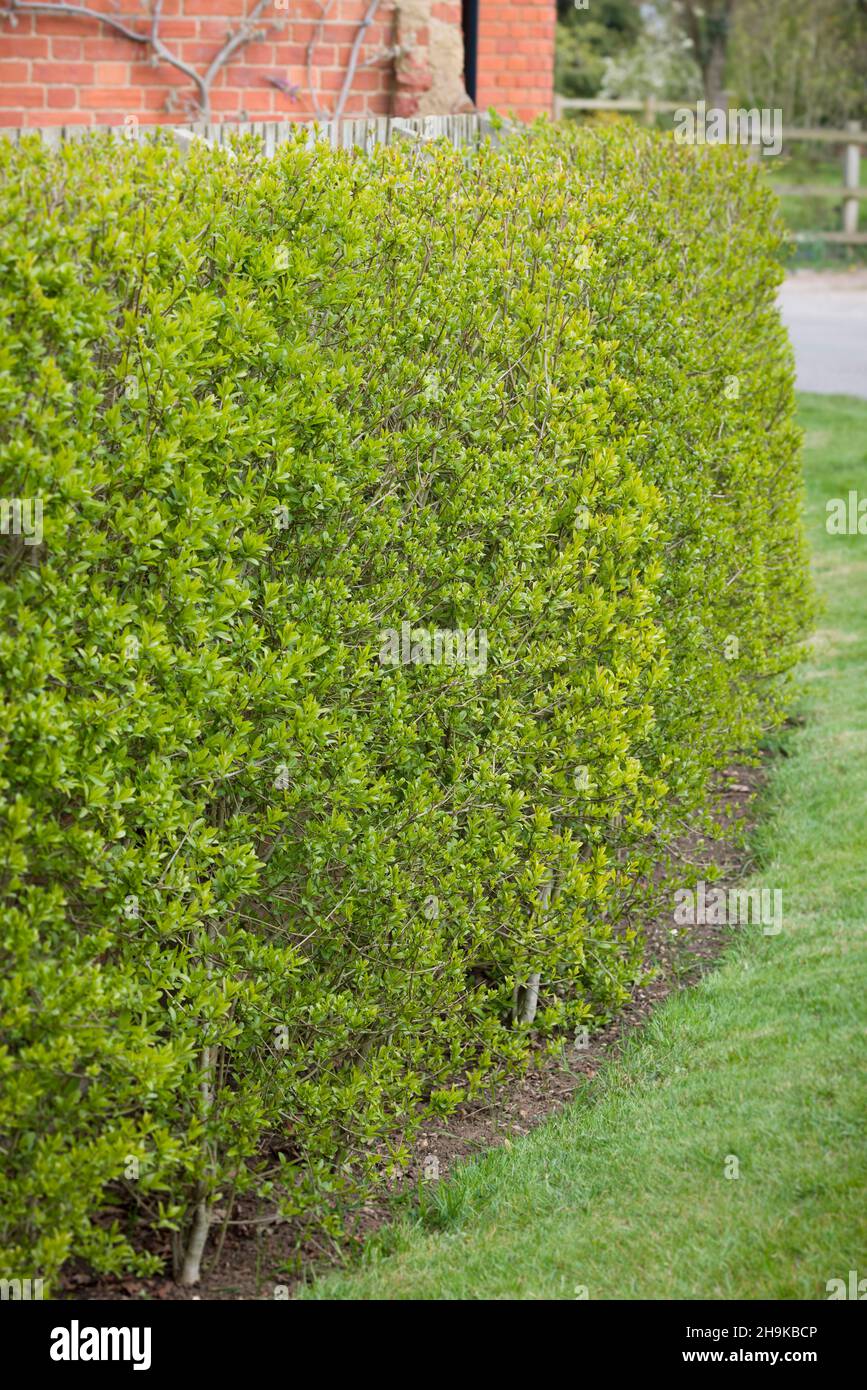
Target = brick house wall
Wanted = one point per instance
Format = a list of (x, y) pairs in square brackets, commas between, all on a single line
[(65, 70), (516, 56)]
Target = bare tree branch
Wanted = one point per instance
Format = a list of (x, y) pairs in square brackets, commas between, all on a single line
[(77, 11), (246, 34), (324, 11), (353, 58), (203, 81), (160, 49), (150, 37)]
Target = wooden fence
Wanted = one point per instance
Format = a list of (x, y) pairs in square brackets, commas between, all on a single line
[(345, 134), (852, 138)]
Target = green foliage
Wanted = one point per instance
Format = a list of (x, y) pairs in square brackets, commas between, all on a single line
[(809, 57), (273, 408), (586, 37), (625, 1189)]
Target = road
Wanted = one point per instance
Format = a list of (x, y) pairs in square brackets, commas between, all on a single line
[(826, 315)]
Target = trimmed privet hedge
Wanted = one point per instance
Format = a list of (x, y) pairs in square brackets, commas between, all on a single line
[(269, 897)]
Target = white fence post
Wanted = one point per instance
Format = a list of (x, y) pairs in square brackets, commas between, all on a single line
[(851, 179)]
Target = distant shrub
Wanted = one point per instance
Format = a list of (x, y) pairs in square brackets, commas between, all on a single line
[(271, 892)]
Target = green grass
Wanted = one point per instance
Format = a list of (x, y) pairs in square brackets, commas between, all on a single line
[(625, 1193)]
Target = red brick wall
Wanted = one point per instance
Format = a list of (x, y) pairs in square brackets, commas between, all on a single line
[(516, 56), (61, 70)]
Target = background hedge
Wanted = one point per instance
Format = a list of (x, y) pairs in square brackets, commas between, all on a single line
[(266, 900)]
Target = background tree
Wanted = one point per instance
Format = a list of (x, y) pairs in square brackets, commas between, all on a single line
[(808, 57), (588, 38), (658, 63), (708, 26)]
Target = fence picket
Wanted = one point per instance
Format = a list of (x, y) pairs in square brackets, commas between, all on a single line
[(359, 133)]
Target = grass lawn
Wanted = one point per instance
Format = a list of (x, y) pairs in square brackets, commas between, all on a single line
[(625, 1194)]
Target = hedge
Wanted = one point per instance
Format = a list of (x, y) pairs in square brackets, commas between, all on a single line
[(272, 892)]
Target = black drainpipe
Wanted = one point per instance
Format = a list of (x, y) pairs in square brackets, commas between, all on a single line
[(470, 22)]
